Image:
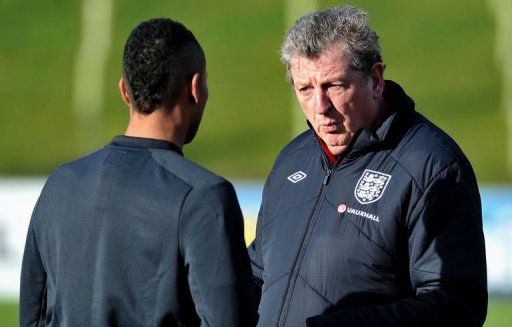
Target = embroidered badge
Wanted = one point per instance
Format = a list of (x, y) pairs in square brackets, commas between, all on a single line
[(297, 176), (371, 186)]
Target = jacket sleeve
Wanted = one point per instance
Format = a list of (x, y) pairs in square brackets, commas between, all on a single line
[(447, 262), (213, 248), (256, 263), (32, 311), (255, 253)]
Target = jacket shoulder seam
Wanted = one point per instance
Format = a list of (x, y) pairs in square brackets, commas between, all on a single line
[(166, 169)]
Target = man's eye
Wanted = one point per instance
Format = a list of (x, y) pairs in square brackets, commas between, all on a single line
[(336, 88), (305, 90)]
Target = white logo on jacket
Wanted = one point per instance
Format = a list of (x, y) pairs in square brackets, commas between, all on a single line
[(371, 186), (342, 208), (297, 176)]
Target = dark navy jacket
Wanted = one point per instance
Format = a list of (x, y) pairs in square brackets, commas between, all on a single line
[(391, 235), (136, 235)]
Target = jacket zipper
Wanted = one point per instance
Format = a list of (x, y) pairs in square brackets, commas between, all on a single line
[(302, 252), (327, 177)]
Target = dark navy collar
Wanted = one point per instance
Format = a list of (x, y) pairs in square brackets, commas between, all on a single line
[(401, 108), (144, 143)]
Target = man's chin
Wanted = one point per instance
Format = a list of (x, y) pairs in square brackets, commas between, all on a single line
[(332, 140), (336, 146)]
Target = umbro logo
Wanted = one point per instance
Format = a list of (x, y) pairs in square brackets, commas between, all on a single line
[(297, 176)]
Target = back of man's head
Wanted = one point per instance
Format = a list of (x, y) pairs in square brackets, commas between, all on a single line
[(160, 56)]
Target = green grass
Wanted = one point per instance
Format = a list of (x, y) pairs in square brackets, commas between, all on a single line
[(499, 313), (440, 51), (9, 314)]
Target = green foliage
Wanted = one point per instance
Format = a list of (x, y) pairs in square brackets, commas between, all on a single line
[(441, 52)]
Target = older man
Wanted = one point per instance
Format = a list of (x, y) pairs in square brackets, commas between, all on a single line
[(372, 216), (134, 234)]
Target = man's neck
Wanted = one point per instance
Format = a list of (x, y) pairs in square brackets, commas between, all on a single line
[(157, 125)]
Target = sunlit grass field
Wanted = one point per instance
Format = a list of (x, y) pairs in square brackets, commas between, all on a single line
[(442, 52)]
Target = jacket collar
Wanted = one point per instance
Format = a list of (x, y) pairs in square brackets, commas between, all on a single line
[(144, 143), (400, 107)]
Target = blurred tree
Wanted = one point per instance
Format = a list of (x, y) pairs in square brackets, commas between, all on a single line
[(503, 12), (89, 72)]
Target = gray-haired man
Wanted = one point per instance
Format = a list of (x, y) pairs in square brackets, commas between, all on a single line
[(372, 216)]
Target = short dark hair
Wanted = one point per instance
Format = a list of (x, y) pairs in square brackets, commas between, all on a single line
[(159, 56)]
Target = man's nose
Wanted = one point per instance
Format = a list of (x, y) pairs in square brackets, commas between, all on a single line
[(323, 102)]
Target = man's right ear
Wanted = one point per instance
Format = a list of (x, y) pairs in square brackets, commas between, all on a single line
[(194, 88), (124, 92)]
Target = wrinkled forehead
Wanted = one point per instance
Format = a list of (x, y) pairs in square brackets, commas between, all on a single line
[(331, 61)]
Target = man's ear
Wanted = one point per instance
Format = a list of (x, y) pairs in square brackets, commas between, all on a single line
[(124, 92), (377, 80), (194, 88)]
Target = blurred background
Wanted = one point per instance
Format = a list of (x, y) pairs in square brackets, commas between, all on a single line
[(60, 62)]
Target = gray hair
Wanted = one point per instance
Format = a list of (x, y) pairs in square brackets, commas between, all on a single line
[(343, 26)]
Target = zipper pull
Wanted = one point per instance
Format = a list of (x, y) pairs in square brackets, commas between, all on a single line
[(327, 177)]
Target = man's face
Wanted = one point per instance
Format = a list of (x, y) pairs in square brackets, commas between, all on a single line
[(336, 100)]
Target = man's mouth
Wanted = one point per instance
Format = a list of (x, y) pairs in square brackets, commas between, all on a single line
[(328, 128)]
